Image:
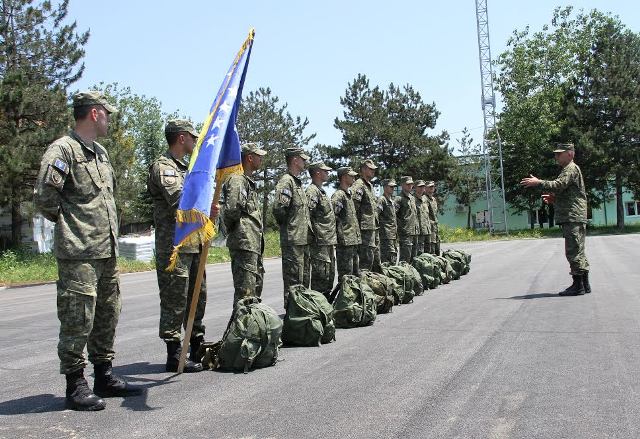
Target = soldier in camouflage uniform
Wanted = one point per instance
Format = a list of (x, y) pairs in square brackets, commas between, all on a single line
[(242, 216), (568, 194), (388, 224), (75, 189), (291, 212), (323, 221), (347, 227), (407, 217), (424, 223), (164, 184), (366, 206), (433, 241)]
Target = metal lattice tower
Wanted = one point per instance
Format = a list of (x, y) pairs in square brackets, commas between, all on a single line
[(496, 203)]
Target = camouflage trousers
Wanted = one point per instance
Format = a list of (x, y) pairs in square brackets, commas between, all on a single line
[(369, 251), (89, 304), (176, 289), (347, 261), (389, 251), (296, 266), (408, 247), (434, 240), (421, 244), (323, 268), (574, 244), (248, 274)]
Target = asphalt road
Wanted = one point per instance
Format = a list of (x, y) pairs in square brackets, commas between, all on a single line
[(495, 354)]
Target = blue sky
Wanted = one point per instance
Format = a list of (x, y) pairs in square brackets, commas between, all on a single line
[(307, 52)]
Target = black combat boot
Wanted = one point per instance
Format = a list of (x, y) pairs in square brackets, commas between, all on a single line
[(194, 348), (79, 396), (107, 384), (585, 282), (576, 288), (173, 359)]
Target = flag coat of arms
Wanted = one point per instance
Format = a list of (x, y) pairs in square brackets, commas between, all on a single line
[(215, 156)]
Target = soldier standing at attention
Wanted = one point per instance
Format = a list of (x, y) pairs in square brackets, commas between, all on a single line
[(164, 183), (347, 227), (388, 224), (568, 194), (424, 223), (433, 242), (291, 211), (323, 221), (242, 216), (74, 189), (367, 213), (407, 216)]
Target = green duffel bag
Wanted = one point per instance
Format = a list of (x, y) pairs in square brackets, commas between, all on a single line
[(447, 272), (309, 319), (418, 288), (355, 304), (382, 287), (466, 259), (403, 278), (252, 339), (458, 262), (426, 267)]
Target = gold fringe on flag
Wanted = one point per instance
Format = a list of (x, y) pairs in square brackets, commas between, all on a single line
[(199, 236)]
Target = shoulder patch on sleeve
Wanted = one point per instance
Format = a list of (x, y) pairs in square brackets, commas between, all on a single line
[(169, 172), (61, 166), (286, 192)]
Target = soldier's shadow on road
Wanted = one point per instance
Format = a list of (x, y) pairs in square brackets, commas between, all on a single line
[(43, 403), (131, 373), (531, 296)]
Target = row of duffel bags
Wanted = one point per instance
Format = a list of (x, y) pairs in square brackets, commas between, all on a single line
[(256, 332)]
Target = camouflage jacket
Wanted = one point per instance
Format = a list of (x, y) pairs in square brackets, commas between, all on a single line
[(366, 204), (323, 220), (74, 189), (424, 221), (291, 211), (347, 227), (242, 214), (433, 208), (387, 217), (407, 215), (571, 196), (164, 184)]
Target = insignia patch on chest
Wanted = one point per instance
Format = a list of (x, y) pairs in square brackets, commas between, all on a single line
[(61, 166), (169, 173)]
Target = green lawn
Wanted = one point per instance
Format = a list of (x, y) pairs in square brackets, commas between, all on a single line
[(21, 267)]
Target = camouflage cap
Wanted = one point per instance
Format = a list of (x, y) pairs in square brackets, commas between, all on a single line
[(562, 147), (369, 164), (319, 165), (92, 97), (388, 182), (294, 151), (430, 183), (420, 183), (180, 126), (346, 170), (406, 179), (252, 148)]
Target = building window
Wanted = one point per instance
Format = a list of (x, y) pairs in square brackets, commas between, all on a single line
[(633, 208)]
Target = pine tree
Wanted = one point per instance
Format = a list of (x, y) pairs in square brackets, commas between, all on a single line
[(40, 56)]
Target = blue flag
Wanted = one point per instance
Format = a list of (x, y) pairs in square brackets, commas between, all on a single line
[(215, 156)]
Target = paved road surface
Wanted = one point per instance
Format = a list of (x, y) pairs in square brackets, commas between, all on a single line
[(495, 354)]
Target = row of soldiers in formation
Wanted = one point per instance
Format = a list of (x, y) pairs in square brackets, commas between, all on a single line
[(75, 189)]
